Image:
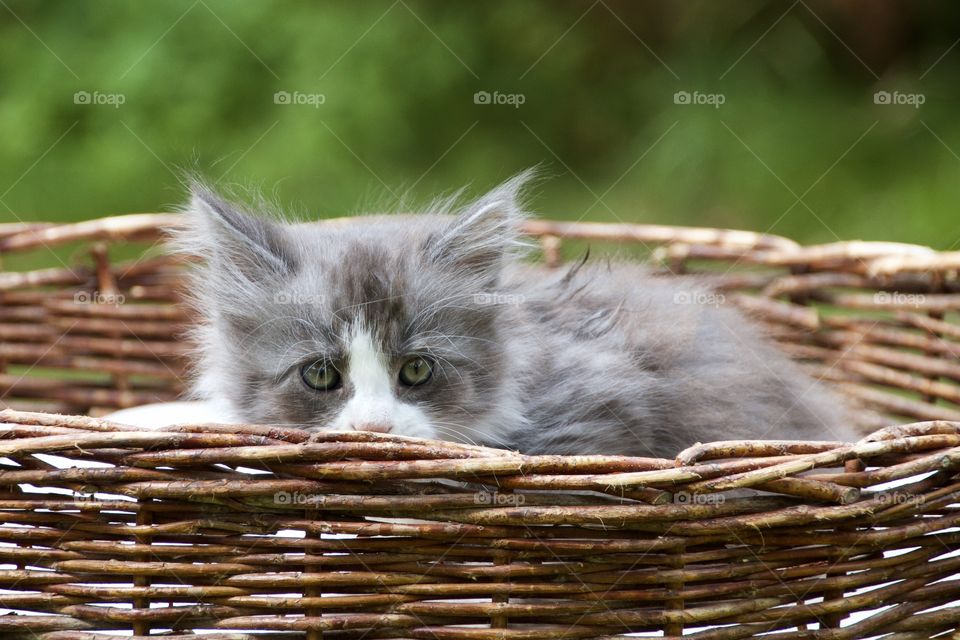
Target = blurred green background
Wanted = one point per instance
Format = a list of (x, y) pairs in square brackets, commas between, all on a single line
[(747, 114)]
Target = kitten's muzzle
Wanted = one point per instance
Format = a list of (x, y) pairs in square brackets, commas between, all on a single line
[(379, 427)]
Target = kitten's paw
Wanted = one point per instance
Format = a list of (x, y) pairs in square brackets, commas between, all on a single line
[(330, 435)]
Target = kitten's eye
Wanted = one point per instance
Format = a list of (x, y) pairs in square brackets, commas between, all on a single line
[(320, 376), (416, 371)]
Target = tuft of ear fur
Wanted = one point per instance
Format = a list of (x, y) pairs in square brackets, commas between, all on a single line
[(244, 259), (236, 245), (484, 233)]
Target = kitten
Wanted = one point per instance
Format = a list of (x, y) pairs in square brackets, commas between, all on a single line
[(432, 326)]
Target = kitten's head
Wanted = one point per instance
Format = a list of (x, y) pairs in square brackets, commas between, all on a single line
[(385, 324)]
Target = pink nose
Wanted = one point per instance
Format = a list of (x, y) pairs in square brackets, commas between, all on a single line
[(379, 427)]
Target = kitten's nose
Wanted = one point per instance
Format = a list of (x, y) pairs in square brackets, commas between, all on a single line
[(379, 427)]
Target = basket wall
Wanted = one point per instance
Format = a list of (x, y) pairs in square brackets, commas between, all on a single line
[(86, 333), (252, 530)]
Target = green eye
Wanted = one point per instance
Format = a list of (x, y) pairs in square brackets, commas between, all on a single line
[(416, 371), (320, 376)]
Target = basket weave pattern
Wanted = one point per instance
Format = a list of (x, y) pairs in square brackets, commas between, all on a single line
[(251, 530)]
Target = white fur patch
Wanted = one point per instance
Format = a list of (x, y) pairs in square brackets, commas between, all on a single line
[(374, 405), (162, 414)]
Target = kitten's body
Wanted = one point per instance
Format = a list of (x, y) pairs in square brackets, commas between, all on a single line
[(598, 359), (639, 365)]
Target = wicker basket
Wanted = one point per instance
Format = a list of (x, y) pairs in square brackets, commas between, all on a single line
[(253, 532)]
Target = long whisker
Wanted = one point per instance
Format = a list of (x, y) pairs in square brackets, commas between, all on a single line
[(488, 437)]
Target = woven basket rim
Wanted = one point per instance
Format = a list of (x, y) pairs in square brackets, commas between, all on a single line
[(885, 256)]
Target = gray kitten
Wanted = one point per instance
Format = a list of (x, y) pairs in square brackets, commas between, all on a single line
[(433, 326)]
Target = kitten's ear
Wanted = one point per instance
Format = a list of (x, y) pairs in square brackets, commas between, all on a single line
[(234, 242), (484, 233)]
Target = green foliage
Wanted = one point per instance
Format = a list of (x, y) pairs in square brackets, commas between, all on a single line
[(798, 147)]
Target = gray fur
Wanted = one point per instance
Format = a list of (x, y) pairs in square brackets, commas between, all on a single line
[(597, 359)]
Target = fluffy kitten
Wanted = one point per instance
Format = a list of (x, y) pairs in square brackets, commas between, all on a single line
[(432, 326)]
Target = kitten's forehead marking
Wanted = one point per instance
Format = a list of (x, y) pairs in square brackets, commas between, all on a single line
[(368, 368), (374, 404)]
